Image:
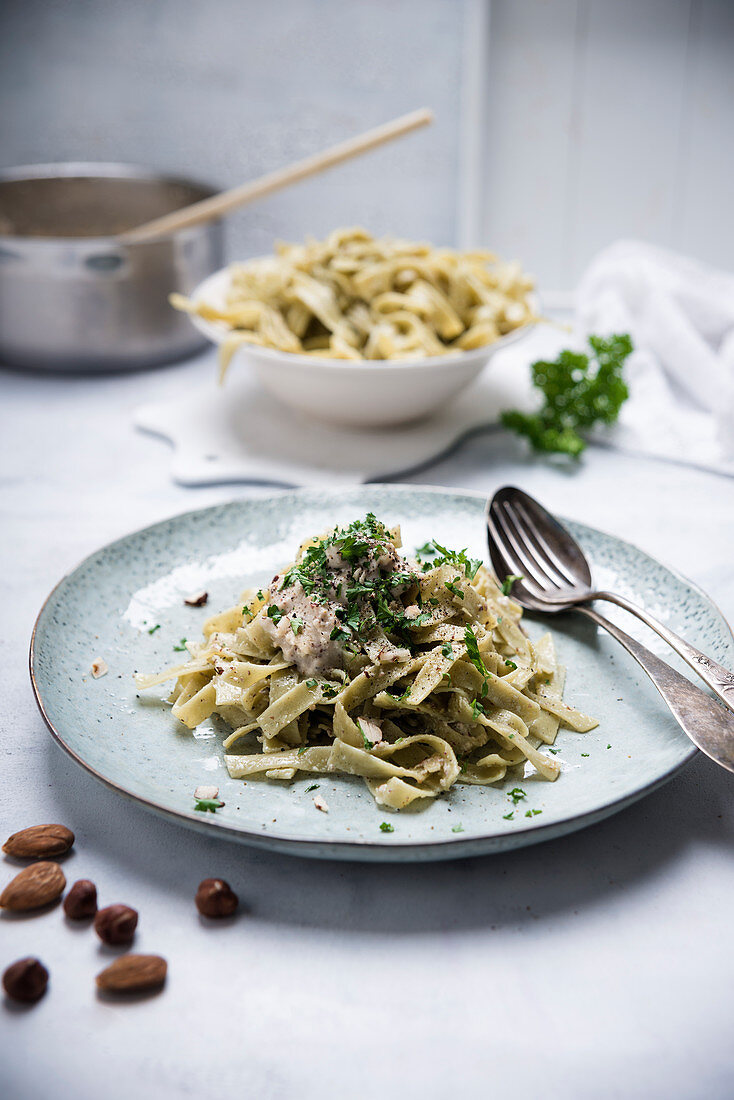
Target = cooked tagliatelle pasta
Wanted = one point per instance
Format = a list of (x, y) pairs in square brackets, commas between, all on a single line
[(356, 297), (412, 672)]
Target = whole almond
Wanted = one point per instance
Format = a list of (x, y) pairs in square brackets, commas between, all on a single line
[(133, 974), (39, 842), (81, 901), (25, 980), (116, 924), (33, 887), (216, 898)]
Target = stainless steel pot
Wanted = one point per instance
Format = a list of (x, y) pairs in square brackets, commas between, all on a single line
[(71, 297)]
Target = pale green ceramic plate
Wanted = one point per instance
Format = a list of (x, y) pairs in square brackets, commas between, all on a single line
[(109, 606)]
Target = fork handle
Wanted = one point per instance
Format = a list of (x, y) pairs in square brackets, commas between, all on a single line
[(708, 725), (718, 678)]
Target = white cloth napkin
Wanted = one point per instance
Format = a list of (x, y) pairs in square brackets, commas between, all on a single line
[(680, 315)]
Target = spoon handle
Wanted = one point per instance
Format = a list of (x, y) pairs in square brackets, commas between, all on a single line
[(718, 678), (708, 725)]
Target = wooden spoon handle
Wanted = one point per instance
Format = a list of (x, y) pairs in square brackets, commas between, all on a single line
[(226, 201)]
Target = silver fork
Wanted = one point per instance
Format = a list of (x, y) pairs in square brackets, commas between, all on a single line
[(554, 575)]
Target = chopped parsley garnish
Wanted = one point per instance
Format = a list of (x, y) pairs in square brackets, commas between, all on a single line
[(509, 817), (312, 787), (275, 613), (210, 805), (311, 683), (340, 635), (609, 746), (584, 754), (330, 691), (457, 828), (447, 649), (554, 751), (516, 794), (154, 628), (476, 710), (367, 743), (302, 750), (580, 391), (472, 652), (532, 813), (386, 827), (458, 559), (296, 624), (180, 647), (428, 549), (451, 585), (260, 594), (509, 581), (511, 665)]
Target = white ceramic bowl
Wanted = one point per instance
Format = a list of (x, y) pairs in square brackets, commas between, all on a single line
[(369, 394)]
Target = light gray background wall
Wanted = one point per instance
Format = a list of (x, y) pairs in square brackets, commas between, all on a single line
[(607, 118), (228, 89), (560, 124)]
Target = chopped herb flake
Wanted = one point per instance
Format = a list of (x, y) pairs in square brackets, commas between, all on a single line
[(472, 651), (154, 628), (509, 817), (275, 613), (509, 581), (312, 787), (457, 828), (516, 794), (180, 647), (386, 827), (210, 805)]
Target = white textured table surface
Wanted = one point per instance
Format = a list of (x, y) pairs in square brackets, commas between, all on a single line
[(597, 965)]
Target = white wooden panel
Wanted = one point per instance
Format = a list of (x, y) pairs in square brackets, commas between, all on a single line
[(607, 119), (704, 218), (627, 124), (227, 89), (530, 96)]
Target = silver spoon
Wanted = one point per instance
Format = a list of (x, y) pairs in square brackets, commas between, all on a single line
[(524, 539)]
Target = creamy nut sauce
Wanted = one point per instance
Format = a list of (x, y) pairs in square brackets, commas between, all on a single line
[(321, 629)]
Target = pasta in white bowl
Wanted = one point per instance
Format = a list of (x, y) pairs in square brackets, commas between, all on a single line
[(412, 672), (364, 331)]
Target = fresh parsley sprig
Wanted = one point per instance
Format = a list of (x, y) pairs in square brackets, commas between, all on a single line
[(580, 391)]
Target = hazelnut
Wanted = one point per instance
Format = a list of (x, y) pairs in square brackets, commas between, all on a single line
[(215, 898), (116, 924), (81, 901), (25, 980)]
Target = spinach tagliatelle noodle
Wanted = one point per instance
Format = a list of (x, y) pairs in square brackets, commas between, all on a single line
[(412, 672)]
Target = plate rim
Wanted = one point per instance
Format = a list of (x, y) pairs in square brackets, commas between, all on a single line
[(447, 847)]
